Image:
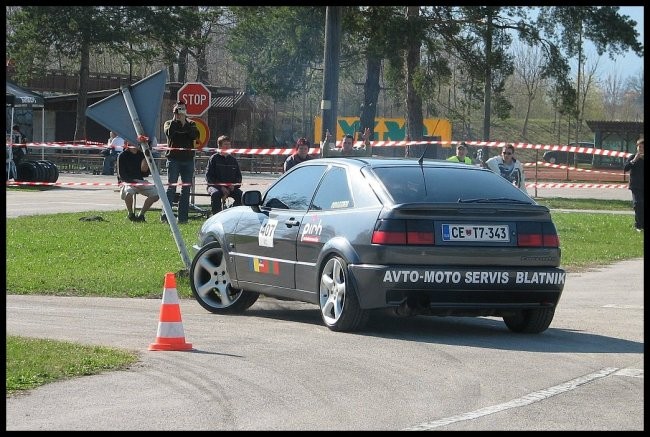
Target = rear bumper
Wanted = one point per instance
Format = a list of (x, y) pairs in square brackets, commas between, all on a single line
[(458, 288)]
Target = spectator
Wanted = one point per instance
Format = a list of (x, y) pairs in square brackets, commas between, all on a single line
[(223, 176), (301, 154), (19, 146), (461, 155), (132, 168), (329, 149), (181, 136), (634, 165), (508, 166), (114, 147)]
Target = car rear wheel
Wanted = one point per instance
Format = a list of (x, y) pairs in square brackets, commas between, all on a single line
[(211, 286), (530, 321), (339, 305)]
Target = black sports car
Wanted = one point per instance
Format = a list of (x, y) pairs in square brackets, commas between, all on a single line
[(354, 235)]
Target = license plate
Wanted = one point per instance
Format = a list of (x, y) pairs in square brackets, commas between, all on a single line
[(489, 233)]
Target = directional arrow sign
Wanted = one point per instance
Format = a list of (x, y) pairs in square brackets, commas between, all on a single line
[(147, 95)]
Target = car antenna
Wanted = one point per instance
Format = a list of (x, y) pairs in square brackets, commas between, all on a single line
[(421, 160)]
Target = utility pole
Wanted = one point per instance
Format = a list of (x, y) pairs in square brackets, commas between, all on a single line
[(331, 57)]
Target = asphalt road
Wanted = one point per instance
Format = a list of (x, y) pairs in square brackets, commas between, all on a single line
[(276, 367)]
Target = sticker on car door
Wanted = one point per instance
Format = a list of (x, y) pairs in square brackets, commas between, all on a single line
[(267, 230)]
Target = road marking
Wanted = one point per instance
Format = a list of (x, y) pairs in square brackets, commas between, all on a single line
[(624, 307), (520, 402), (634, 373)]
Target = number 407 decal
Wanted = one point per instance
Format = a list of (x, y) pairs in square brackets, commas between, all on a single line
[(267, 230)]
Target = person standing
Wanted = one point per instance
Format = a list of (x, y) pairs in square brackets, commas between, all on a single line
[(634, 164), (132, 168), (329, 149), (223, 176), (461, 155), (114, 147), (508, 166), (181, 134), (300, 154), (19, 146)]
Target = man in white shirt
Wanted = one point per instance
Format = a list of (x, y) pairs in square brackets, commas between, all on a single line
[(114, 146), (508, 166)]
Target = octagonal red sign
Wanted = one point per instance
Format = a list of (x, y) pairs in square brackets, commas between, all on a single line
[(196, 96)]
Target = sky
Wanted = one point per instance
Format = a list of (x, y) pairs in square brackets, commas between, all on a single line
[(630, 64)]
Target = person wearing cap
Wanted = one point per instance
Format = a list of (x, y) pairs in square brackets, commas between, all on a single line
[(300, 154), (132, 168), (329, 149), (461, 155), (181, 135), (223, 176)]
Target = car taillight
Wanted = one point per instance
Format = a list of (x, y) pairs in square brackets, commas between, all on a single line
[(537, 235), (406, 232)]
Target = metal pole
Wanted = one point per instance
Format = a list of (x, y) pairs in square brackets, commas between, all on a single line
[(167, 208), (331, 57), (43, 130)]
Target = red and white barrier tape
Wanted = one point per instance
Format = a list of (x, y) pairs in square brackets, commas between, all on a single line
[(316, 150), (110, 184), (565, 167)]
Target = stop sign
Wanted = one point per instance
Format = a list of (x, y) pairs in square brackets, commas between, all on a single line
[(196, 97)]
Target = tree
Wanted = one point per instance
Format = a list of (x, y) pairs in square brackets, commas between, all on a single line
[(279, 46), (528, 69), (570, 26), (45, 31)]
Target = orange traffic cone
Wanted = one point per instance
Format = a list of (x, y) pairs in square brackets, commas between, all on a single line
[(170, 335)]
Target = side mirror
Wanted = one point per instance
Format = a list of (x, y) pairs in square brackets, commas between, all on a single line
[(252, 198)]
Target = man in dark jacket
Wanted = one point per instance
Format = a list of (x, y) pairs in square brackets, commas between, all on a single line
[(181, 134), (223, 176), (634, 165), (132, 168), (301, 154)]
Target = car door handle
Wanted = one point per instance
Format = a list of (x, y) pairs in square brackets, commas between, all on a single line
[(292, 222)]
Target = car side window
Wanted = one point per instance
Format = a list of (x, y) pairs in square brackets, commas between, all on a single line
[(295, 190), (334, 191)]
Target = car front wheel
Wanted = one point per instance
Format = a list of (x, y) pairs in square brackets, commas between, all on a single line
[(339, 305), (211, 286), (530, 321)]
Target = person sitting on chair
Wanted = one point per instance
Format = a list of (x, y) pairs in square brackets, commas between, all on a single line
[(132, 168), (223, 176)]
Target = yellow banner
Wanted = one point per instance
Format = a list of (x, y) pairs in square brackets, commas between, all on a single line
[(386, 129)]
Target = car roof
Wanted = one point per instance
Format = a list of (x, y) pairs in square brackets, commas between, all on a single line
[(382, 161)]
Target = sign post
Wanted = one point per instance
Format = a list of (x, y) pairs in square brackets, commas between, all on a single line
[(133, 114), (196, 96)]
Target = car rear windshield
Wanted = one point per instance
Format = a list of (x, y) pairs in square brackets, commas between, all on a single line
[(446, 184)]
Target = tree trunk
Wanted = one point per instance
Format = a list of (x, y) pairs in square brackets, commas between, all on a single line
[(182, 65), (370, 95), (82, 97), (413, 100), (487, 107)]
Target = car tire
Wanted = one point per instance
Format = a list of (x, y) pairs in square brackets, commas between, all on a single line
[(211, 286), (552, 159), (339, 304), (530, 321)]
